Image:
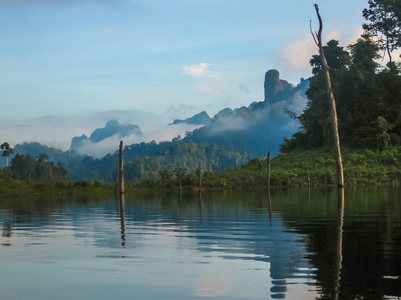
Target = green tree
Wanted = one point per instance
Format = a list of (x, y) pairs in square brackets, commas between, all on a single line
[(384, 17), (6, 151), (382, 136), (315, 119), (42, 169), (180, 174)]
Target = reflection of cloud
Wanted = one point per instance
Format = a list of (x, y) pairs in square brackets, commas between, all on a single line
[(197, 71), (213, 286)]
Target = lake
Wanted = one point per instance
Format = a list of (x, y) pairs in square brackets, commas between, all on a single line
[(291, 244)]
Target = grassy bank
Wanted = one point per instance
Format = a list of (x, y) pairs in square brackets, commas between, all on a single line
[(299, 168), (25, 187)]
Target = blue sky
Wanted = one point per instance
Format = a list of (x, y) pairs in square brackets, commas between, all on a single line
[(67, 66)]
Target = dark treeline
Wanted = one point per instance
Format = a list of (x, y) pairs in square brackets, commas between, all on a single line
[(149, 160), (26, 167)]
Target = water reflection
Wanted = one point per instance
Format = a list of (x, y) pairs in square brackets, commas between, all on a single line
[(122, 218), (233, 244), (269, 205), (339, 248)]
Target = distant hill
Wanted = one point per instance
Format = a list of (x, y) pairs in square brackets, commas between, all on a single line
[(201, 118), (112, 128), (261, 126)]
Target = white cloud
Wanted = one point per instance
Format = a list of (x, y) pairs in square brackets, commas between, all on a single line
[(197, 71), (334, 35), (109, 145), (295, 55), (170, 132)]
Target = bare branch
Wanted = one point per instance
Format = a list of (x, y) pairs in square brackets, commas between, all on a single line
[(320, 24), (314, 38), (319, 39)]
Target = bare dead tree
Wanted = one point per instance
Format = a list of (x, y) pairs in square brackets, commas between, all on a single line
[(318, 40)]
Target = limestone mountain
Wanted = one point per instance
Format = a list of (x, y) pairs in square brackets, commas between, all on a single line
[(201, 118), (112, 128), (262, 125)]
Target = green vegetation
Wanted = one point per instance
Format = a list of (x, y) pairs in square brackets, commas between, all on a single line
[(299, 168), (384, 23), (311, 167), (5, 147)]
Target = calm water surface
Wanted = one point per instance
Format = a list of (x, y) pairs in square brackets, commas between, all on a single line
[(297, 244)]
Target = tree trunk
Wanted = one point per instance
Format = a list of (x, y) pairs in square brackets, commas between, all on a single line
[(337, 150)]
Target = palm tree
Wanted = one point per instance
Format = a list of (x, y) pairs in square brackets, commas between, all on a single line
[(6, 151)]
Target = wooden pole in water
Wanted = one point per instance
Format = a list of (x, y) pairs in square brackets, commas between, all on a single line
[(121, 160), (268, 170)]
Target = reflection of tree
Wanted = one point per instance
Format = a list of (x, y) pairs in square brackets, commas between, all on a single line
[(339, 255), (368, 260), (269, 204), (238, 223), (122, 218)]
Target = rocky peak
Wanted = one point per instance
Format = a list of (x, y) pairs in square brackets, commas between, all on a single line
[(274, 85)]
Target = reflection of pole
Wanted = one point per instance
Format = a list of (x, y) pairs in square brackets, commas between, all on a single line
[(121, 168), (339, 256), (269, 203), (200, 177), (268, 170), (122, 218), (200, 203)]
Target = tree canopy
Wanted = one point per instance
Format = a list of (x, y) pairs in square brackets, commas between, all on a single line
[(7, 150), (384, 22)]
